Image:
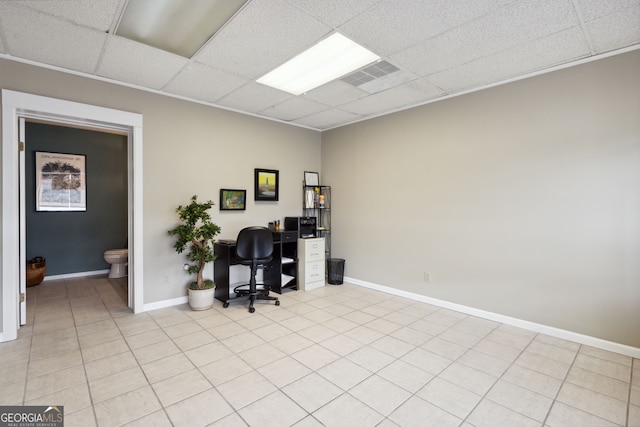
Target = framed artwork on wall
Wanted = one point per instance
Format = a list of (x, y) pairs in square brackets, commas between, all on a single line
[(233, 200), (311, 178), (266, 184), (61, 182)]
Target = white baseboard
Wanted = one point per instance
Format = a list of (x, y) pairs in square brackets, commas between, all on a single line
[(166, 303), (74, 275), (512, 321)]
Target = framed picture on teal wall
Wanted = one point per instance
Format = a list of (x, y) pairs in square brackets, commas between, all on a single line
[(61, 182)]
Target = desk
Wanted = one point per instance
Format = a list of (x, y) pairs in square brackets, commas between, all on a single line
[(281, 272)]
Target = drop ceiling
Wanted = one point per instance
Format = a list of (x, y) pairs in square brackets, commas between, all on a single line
[(431, 49)]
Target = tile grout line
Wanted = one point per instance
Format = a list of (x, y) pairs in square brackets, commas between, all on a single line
[(566, 375), (395, 358), (340, 357), (254, 370), (113, 316), (113, 319), (448, 327), (26, 374), (314, 371), (631, 378), (565, 381), (84, 363), (484, 396), (450, 364), (142, 370)]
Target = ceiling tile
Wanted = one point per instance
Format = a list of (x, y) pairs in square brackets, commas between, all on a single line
[(500, 30), (335, 93), (387, 82), (293, 108), (595, 9), (546, 52), (409, 94), (441, 47), (262, 36), (203, 83), (395, 25), (327, 119), (90, 13), (334, 12), (615, 31), (253, 97), (136, 63), (50, 40)]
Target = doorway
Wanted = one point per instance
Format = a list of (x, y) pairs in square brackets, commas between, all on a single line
[(72, 226), (17, 106)]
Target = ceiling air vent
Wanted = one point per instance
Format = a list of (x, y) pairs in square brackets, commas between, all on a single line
[(377, 77), (372, 72)]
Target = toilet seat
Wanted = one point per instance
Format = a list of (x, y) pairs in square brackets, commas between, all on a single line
[(117, 252)]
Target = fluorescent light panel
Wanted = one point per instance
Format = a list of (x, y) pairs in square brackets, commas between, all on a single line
[(178, 26), (327, 60)]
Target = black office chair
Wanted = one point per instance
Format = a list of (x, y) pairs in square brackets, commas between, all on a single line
[(254, 247)]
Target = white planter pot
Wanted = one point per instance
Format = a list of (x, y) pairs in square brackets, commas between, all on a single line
[(201, 299)]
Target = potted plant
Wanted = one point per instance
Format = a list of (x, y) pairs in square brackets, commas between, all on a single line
[(196, 232)]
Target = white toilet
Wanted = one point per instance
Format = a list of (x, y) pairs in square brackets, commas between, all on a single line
[(118, 258)]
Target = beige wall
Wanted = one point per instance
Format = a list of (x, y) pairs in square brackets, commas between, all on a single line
[(523, 200), (188, 149)]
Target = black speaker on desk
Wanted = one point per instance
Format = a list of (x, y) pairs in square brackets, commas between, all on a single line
[(305, 226)]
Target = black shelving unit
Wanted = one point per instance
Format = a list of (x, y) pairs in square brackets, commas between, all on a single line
[(316, 201)]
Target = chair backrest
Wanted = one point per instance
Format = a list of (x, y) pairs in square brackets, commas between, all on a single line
[(254, 243)]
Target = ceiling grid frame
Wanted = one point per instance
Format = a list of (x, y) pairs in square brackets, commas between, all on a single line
[(78, 37)]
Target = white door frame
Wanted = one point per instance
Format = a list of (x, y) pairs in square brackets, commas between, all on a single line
[(23, 226), (18, 104)]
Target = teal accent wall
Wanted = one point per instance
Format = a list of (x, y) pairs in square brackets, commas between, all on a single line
[(74, 242)]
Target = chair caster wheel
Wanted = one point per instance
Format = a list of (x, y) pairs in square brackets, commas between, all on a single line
[(225, 305), (277, 302), (251, 309)]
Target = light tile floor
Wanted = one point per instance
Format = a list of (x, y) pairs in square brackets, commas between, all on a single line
[(334, 356)]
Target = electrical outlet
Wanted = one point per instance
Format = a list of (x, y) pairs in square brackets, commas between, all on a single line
[(427, 277)]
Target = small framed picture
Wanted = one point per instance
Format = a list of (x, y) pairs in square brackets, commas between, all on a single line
[(233, 200), (311, 178), (266, 185)]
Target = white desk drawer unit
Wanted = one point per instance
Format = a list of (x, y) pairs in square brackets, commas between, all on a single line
[(311, 262)]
